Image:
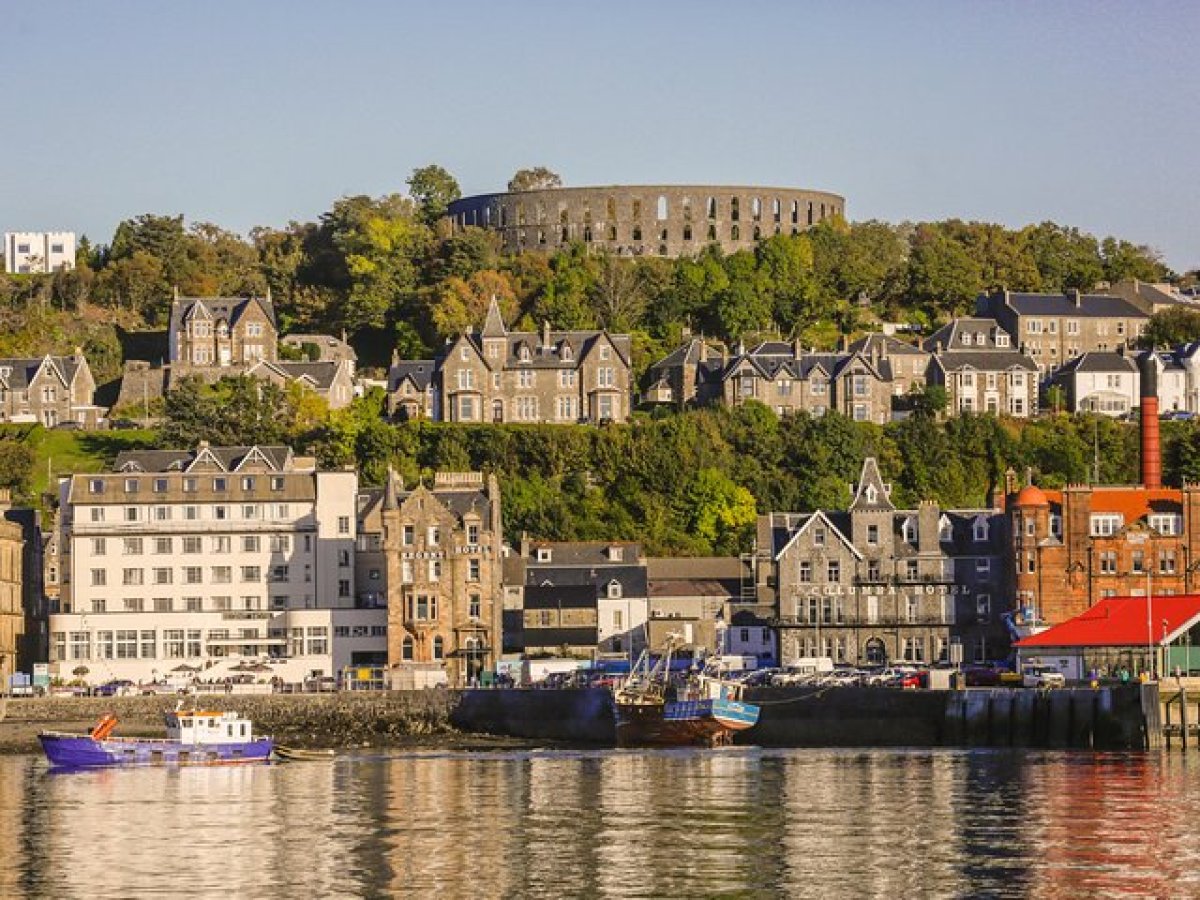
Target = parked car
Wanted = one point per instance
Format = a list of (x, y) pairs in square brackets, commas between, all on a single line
[(116, 688), (981, 676), (1043, 677)]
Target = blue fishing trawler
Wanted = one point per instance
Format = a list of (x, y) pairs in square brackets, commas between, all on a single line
[(194, 737), (651, 710)]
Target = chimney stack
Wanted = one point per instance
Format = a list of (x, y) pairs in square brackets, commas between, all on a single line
[(1151, 456)]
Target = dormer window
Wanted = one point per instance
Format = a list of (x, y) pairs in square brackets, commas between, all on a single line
[(980, 529), (1106, 524), (524, 353), (614, 589), (567, 354), (872, 494), (543, 554), (945, 530), (616, 554), (909, 530), (1001, 339)]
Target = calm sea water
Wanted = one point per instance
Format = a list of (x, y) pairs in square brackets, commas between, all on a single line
[(728, 823)]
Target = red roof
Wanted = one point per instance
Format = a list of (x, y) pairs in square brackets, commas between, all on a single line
[(1121, 622), (1133, 502)]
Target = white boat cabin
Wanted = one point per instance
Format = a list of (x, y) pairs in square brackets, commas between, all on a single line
[(208, 727)]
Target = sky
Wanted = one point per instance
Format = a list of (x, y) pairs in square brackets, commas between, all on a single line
[(256, 113)]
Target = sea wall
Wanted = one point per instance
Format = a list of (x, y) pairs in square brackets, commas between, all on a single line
[(345, 719), (1107, 718)]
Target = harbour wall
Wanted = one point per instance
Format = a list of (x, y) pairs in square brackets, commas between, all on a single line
[(1103, 718), (344, 719)]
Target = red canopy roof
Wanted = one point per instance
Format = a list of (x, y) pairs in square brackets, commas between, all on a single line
[(1121, 622)]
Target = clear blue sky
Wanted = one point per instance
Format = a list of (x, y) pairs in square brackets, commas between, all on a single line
[(253, 113)]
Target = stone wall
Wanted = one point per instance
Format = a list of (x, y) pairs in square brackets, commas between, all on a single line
[(650, 220)]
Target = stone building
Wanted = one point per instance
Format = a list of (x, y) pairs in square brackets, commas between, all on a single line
[(497, 375), (12, 606), (661, 220), (435, 552), (781, 375), (873, 583), (223, 333), (707, 600), (1055, 328), (208, 558), (52, 390), (410, 389), (331, 380), (584, 598)]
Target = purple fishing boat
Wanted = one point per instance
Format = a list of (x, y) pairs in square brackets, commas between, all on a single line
[(194, 737)]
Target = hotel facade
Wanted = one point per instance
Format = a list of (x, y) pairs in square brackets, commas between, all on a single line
[(199, 560)]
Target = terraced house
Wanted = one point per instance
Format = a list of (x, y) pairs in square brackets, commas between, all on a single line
[(975, 361), (873, 583), (497, 375)]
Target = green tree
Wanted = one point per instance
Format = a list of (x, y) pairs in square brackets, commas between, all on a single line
[(718, 509), (1171, 327), (434, 189), (1124, 260), (941, 272), (538, 178), (1066, 258)]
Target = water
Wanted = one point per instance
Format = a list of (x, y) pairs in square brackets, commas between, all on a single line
[(729, 823)]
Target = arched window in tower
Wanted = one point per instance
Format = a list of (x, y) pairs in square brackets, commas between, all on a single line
[(637, 232), (710, 206), (562, 214), (734, 210), (777, 210), (540, 212), (735, 233), (687, 231), (756, 209), (810, 213), (795, 212), (612, 232), (503, 216), (687, 209), (587, 234), (610, 209), (757, 233), (661, 208), (712, 233), (520, 214), (637, 209)]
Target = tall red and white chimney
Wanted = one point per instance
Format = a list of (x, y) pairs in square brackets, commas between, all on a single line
[(1151, 456)]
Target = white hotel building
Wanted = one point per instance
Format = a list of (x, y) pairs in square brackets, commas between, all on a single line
[(207, 559)]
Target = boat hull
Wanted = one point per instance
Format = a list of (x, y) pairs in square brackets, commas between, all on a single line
[(79, 751), (704, 723)]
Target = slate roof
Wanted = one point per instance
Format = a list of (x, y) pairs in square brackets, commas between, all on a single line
[(321, 374), (1098, 361), (982, 332), (419, 370), (886, 344), (984, 360), (1090, 305), (229, 458), (20, 372), (231, 309)]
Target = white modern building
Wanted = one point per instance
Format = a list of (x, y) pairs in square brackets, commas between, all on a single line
[(31, 252), (208, 560)]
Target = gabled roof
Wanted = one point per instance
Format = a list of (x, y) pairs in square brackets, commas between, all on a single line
[(820, 516), (418, 371), (1100, 361), (1132, 503), (871, 493), (971, 333), (885, 345), (225, 459), (231, 309), (17, 374), (1123, 622)]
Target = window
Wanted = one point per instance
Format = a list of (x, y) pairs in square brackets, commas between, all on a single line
[(132, 577), (97, 513), (408, 533), (162, 575), (250, 543), (250, 511), (191, 513), (873, 570), (872, 535), (1108, 562), (99, 546), (96, 486), (406, 649), (343, 524), (472, 570), (251, 573), (131, 485), (433, 536), (132, 547), (164, 546), (1166, 562), (1167, 523), (192, 544), (1106, 525), (1137, 562), (983, 566), (222, 574), (131, 514), (195, 574), (99, 577), (833, 571), (281, 543), (819, 537), (912, 609), (435, 570), (474, 606), (979, 529), (910, 569), (805, 573)]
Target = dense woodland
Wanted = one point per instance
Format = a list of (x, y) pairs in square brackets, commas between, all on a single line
[(388, 272)]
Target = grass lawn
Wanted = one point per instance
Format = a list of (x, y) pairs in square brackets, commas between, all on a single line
[(59, 452)]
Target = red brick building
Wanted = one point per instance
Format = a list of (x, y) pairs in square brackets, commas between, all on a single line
[(1074, 547)]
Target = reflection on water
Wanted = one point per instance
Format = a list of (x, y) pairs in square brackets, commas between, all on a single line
[(739, 822)]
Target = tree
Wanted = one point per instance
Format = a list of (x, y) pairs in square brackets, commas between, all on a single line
[(538, 178), (433, 188), (161, 237), (16, 466), (928, 401), (1066, 258), (617, 294), (718, 509), (941, 273), (1123, 261)]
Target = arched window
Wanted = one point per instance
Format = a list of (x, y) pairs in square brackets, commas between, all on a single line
[(734, 211), (439, 648), (520, 213), (587, 213), (562, 214), (757, 232), (712, 232), (637, 208), (711, 205), (406, 649), (662, 235), (637, 232), (810, 213), (795, 212), (909, 530), (662, 249), (612, 232), (687, 209), (735, 233), (540, 212), (822, 210), (610, 209), (876, 652), (497, 410), (945, 529), (587, 234), (503, 216), (687, 232), (566, 235), (776, 209), (756, 209), (661, 210)]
